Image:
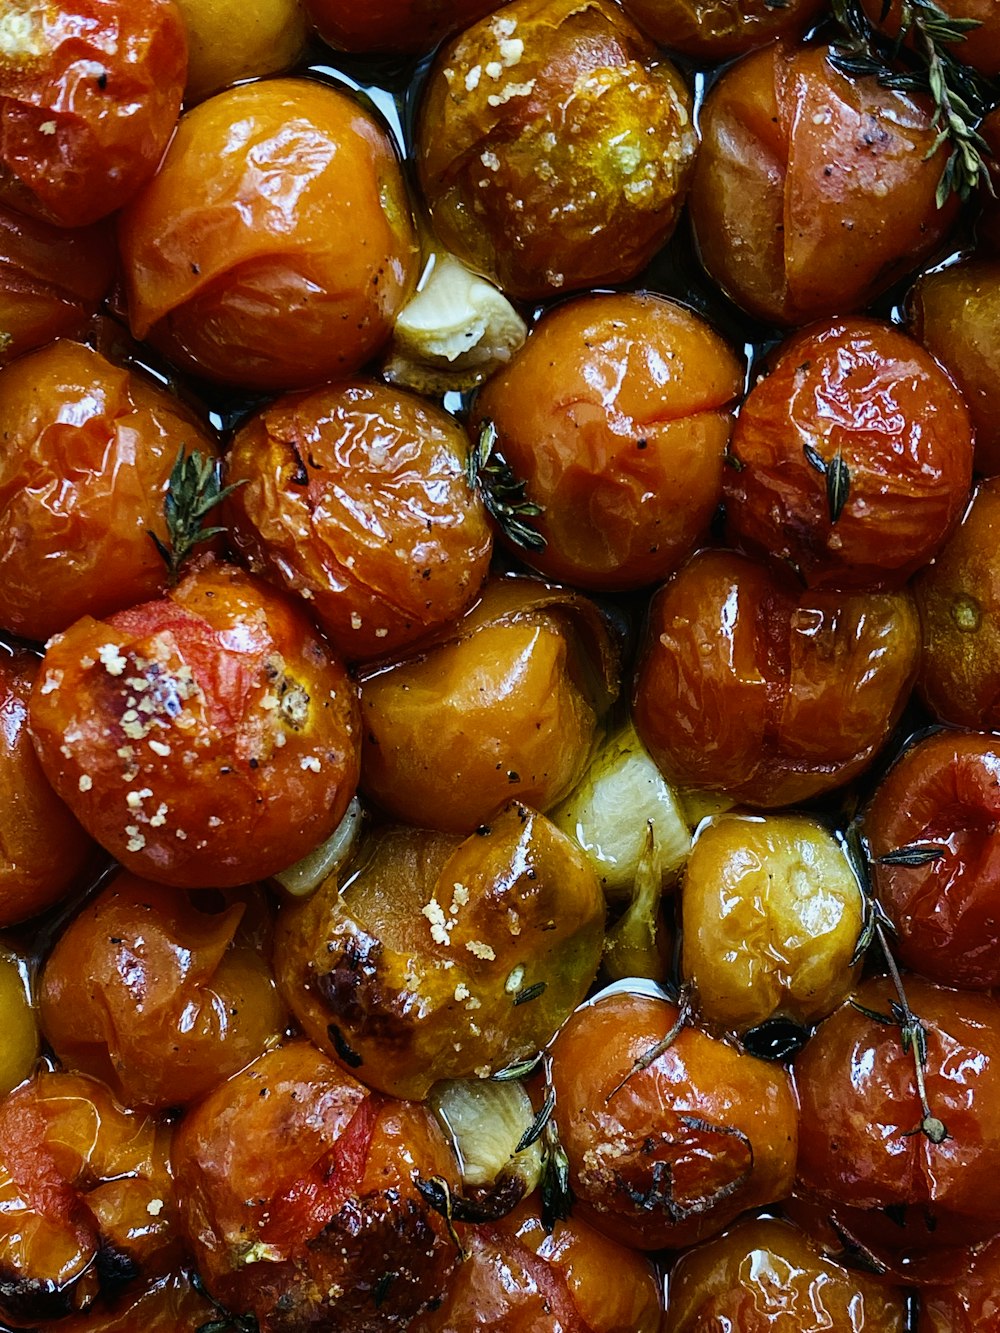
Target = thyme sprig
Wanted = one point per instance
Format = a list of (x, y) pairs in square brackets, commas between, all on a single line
[(919, 60), (194, 489), (503, 493)]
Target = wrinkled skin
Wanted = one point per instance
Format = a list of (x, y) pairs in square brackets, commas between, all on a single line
[(355, 496), (87, 455), (170, 1305), (392, 27), (554, 146), (616, 415), (160, 993), (772, 693), (718, 29), (668, 1154), (90, 91), (327, 1211), (212, 739), (969, 1304), (413, 971), (242, 259), (861, 392), (812, 192)]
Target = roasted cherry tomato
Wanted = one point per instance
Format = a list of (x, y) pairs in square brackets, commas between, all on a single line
[(299, 1196), (205, 739), (554, 146), (356, 497), (228, 42), (87, 455), (43, 850), (969, 1304), (86, 1198), (392, 26), (616, 414), (275, 246), (506, 707), (814, 190), (20, 1022), (755, 686), (669, 1133), (89, 95), (718, 29), (852, 458), (170, 1305), (442, 958)]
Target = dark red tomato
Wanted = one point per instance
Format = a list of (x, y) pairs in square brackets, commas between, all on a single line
[(356, 497), (86, 1199), (667, 1154), (942, 799), (42, 847), (275, 246), (51, 280), (988, 227), (978, 47), (959, 601), (87, 453), (814, 190), (299, 1198), (852, 458), (860, 1137), (90, 91), (616, 414), (750, 684), (763, 1276), (170, 1305), (161, 993), (392, 27), (205, 739), (971, 1303), (718, 29), (554, 146), (519, 1278)]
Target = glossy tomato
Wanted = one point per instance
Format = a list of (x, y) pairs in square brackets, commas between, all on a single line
[(227, 42), (392, 26), (718, 29), (170, 1305)]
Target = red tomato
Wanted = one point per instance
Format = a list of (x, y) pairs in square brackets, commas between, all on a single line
[(168, 1306), (90, 91), (717, 29), (392, 26), (968, 1305), (275, 246)]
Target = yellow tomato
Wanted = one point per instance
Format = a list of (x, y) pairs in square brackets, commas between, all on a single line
[(229, 40)]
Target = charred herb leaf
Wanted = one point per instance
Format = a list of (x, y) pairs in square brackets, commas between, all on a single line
[(503, 493), (838, 479), (534, 1131), (193, 491), (913, 854), (557, 1197)]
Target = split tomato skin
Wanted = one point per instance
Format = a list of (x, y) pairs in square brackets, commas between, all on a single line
[(205, 739), (668, 1154), (275, 245), (90, 91), (355, 496), (88, 452), (862, 393), (304, 1234)]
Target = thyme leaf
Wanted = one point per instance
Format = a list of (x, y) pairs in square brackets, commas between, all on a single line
[(193, 491), (913, 854), (838, 479), (557, 1196), (503, 493), (535, 1130), (518, 1070), (529, 993)]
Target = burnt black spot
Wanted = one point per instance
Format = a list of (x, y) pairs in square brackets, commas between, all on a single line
[(343, 1048)]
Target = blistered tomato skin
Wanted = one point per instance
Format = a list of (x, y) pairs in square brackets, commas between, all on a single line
[(87, 454), (858, 396), (719, 29), (275, 246), (43, 850), (668, 1154), (554, 147), (942, 796), (86, 1199), (304, 1233), (616, 414), (854, 1075), (444, 958), (90, 91), (356, 497), (158, 995), (205, 739), (732, 1283), (170, 1305), (751, 685), (392, 27), (813, 191)]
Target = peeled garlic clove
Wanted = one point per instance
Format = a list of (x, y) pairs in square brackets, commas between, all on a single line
[(486, 1120), (308, 874)]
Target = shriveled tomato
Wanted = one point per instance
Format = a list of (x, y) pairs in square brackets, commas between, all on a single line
[(616, 414), (356, 497), (86, 1198), (205, 739), (442, 958), (554, 146), (88, 451), (392, 26), (813, 190), (755, 686), (299, 1197), (506, 707), (89, 95), (717, 29), (43, 850), (275, 246), (852, 457), (668, 1140), (171, 1305)]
